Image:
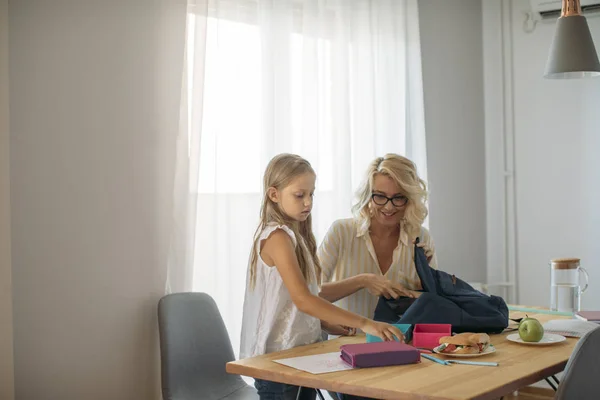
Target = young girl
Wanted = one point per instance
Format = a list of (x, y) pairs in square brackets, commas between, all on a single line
[(282, 308)]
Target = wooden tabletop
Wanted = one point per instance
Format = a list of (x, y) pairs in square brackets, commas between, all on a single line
[(520, 365)]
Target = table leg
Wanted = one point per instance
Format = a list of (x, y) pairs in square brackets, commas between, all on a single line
[(316, 390), (550, 383)]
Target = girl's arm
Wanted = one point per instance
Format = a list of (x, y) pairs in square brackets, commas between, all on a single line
[(278, 250), (337, 330)]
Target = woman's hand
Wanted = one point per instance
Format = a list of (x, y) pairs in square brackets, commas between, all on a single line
[(381, 286), (337, 330), (426, 249), (382, 330)]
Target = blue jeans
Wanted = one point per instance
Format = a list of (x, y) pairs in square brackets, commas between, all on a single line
[(268, 390)]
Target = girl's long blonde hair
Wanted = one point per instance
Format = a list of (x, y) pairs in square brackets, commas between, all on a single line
[(404, 172), (280, 172)]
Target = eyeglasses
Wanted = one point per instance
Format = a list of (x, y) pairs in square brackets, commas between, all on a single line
[(381, 200)]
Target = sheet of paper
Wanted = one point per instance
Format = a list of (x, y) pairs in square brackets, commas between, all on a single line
[(317, 364), (569, 327)]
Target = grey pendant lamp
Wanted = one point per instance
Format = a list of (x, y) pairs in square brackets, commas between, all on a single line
[(572, 53)]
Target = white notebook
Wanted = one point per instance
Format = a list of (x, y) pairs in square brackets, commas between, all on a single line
[(569, 327), (317, 364)]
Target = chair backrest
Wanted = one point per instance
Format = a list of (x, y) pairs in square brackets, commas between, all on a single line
[(582, 374), (194, 348)]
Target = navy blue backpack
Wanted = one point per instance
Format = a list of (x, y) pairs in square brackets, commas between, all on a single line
[(446, 299)]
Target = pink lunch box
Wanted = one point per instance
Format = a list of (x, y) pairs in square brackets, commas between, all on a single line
[(427, 336), (379, 354)]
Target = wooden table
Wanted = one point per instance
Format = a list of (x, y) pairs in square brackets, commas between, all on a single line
[(520, 366)]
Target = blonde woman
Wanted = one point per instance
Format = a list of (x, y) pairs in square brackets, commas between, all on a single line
[(372, 254)]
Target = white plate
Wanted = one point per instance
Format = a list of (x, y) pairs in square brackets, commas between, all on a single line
[(549, 338), (491, 349)]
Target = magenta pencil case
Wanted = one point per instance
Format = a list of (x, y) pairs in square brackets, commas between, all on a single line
[(379, 354)]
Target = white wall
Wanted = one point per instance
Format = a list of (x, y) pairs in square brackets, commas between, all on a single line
[(6, 326), (91, 184), (556, 125), (451, 49), (91, 171)]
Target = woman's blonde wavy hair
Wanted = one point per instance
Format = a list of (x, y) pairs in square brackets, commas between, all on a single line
[(280, 172), (404, 172)]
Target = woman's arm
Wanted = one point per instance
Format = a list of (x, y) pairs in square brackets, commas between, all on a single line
[(377, 285), (333, 291), (329, 251), (329, 255), (278, 250)]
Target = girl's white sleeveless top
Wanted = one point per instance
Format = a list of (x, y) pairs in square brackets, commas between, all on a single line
[(271, 322)]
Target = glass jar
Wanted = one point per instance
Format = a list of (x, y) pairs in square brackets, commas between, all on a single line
[(565, 284)]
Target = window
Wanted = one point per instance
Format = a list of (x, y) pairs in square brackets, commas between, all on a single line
[(234, 112), (330, 81)]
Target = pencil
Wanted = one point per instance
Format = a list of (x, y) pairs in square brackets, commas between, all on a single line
[(437, 360), (487, 364)]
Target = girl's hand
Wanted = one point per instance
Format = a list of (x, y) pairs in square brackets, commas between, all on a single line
[(425, 247), (384, 331), (337, 330), (381, 286)]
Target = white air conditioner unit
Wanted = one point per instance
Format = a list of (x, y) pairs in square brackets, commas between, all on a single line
[(549, 10)]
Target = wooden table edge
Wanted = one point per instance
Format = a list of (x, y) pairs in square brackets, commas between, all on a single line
[(307, 380), (313, 381), (523, 382)]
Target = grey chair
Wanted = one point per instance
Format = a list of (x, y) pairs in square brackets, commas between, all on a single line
[(581, 380), (194, 348)]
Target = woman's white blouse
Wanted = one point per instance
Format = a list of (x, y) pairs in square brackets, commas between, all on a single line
[(346, 251)]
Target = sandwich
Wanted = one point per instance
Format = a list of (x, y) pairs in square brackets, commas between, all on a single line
[(464, 343)]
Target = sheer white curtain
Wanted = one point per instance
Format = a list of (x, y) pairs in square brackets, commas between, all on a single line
[(337, 82)]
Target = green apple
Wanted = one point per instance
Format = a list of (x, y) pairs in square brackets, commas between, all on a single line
[(530, 330)]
